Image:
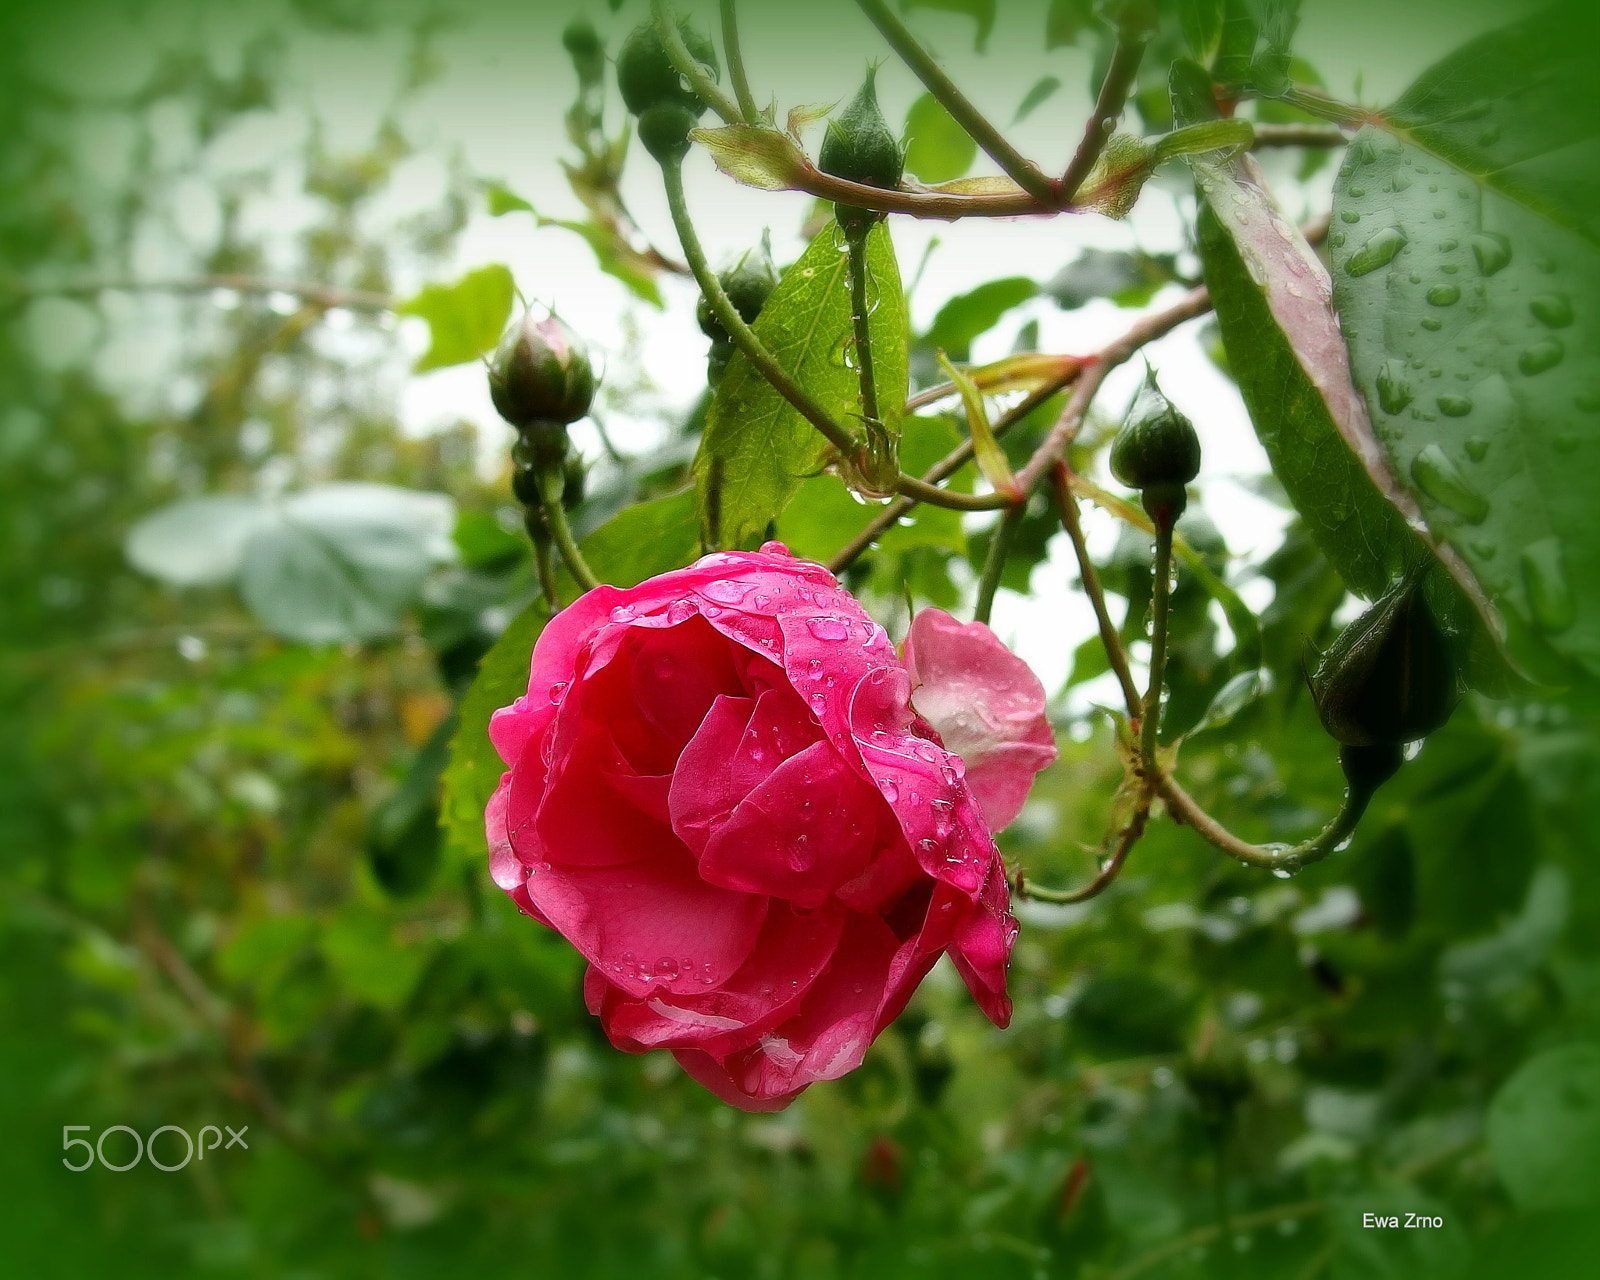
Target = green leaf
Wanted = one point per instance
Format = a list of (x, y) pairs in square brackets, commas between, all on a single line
[(937, 148), (369, 963), (1201, 23), (981, 12), (762, 158), (1468, 280), (1544, 1129), (825, 515), (1066, 20), (638, 543), (1043, 88), (757, 447), (967, 315), (465, 319)]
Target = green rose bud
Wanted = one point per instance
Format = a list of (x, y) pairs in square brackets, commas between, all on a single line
[(1388, 678), (749, 282), (664, 130), (541, 372), (860, 147), (584, 47), (646, 76), (1157, 452)]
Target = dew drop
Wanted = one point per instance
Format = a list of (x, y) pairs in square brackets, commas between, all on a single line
[(891, 792), (1336, 239), (1376, 252), (1439, 478), (1349, 215), (1358, 192), (1282, 873), (1455, 406), (1484, 550), (1443, 295), (1432, 324), (1546, 354), (557, 689), (1492, 251), (1553, 310), (726, 592), (829, 629), (1394, 392), (1550, 598), (622, 613), (667, 968), (1477, 448)]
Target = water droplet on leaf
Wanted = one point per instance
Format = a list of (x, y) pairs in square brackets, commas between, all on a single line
[(1492, 251), (1541, 356), (1554, 310), (1376, 252), (1439, 478), (1444, 295), (1550, 598)]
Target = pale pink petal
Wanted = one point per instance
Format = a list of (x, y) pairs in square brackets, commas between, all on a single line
[(987, 705)]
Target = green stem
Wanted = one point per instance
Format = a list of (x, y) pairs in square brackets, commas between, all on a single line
[(547, 575), (1268, 857), (1160, 606), (1113, 96), (1090, 577), (688, 66), (728, 317), (856, 238), (735, 57), (1126, 839), (551, 483), (994, 563), (1016, 166), (922, 491)]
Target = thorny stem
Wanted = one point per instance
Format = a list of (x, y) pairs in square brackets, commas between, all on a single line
[(1160, 608), (735, 56), (1119, 79), (1126, 839), (994, 563), (550, 486), (1019, 168), (688, 66)]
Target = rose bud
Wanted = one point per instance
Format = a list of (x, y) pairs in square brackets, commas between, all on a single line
[(1158, 453), (749, 282), (719, 790), (646, 77), (860, 147), (541, 373)]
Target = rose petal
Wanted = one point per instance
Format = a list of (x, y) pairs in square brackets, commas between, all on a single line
[(582, 820), (793, 949), (982, 949), (737, 746), (987, 706), (805, 830), (650, 924)]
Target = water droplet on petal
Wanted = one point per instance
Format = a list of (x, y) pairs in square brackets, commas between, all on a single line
[(829, 629), (725, 591), (891, 791), (622, 613), (667, 968), (557, 689), (1439, 478)]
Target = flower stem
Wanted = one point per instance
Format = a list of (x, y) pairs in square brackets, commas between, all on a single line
[(547, 575), (994, 563), (1090, 578), (735, 57), (688, 66), (1160, 607), (1113, 96), (728, 317), (856, 239), (551, 483), (1021, 170)]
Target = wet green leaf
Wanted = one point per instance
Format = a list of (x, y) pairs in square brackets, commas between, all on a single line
[(970, 314), (757, 447)]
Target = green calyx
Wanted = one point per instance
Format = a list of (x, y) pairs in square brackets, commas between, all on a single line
[(541, 372), (859, 147), (646, 76), (1388, 677), (749, 282)]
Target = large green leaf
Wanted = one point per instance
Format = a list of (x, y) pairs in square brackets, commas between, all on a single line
[(970, 314), (757, 447), (465, 319), (1467, 278), (642, 541), (1544, 1129)]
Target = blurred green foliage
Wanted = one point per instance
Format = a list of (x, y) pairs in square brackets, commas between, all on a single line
[(226, 900)]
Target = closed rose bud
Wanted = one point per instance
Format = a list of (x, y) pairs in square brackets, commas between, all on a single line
[(749, 282), (1157, 452), (1388, 678), (646, 76), (541, 372), (860, 147), (664, 130)]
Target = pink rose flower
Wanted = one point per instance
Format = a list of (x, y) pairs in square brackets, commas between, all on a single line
[(719, 790)]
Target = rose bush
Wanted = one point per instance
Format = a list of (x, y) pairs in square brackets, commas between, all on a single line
[(720, 791)]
